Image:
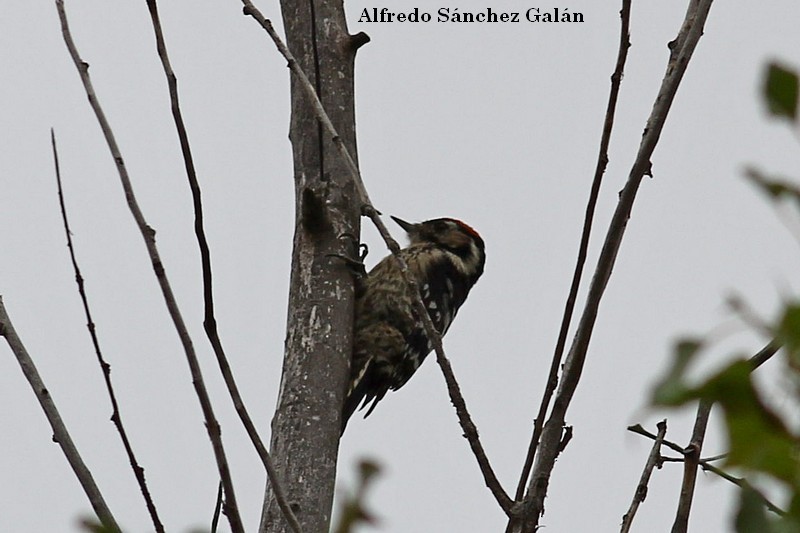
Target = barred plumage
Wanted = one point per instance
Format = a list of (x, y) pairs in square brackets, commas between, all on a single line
[(446, 257)]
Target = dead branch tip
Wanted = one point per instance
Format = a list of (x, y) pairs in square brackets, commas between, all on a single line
[(358, 40)]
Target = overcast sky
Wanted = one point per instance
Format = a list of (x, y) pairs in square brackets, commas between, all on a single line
[(496, 124)]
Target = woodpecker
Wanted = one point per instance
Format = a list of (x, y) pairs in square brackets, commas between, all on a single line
[(445, 257)]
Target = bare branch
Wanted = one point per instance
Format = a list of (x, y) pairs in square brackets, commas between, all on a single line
[(148, 234), (209, 321), (217, 509), (116, 416), (653, 460), (60, 434), (319, 111), (691, 459), (764, 355), (602, 162), (706, 465), (639, 430), (681, 52), (468, 427)]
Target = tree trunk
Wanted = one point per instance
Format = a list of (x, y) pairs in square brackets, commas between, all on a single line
[(307, 421)]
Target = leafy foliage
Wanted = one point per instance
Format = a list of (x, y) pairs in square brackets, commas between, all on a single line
[(781, 91), (760, 440), (776, 188), (751, 515), (788, 332), (353, 508)]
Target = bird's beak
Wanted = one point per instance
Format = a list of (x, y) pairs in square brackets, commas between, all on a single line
[(407, 226)]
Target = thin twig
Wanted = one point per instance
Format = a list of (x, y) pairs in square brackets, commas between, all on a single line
[(209, 321), (764, 355), (639, 430), (653, 460), (217, 510), (706, 465), (116, 416), (465, 421), (231, 509), (600, 169), (60, 434), (681, 52), (744, 484)]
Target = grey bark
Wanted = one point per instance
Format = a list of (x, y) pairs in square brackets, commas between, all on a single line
[(306, 424)]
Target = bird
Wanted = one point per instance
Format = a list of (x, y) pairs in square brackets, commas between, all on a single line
[(445, 257)]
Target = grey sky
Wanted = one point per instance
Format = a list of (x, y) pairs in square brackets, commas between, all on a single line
[(495, 124)]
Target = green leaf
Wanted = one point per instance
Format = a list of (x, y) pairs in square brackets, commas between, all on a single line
[(673, 390), (788, 333), (790, 523), (751, 515), (354, 510), (368, 469), (759, 440), (777, 188), (781, 91)]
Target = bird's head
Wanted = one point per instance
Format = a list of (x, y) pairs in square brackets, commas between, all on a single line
[(450, 234)]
